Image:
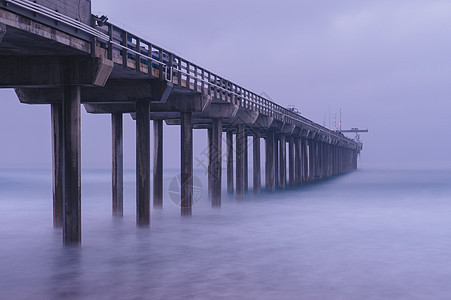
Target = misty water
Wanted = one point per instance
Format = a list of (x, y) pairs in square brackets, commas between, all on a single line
[(368, 234)]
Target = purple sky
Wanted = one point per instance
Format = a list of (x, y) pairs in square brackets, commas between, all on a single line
[(386, 64)]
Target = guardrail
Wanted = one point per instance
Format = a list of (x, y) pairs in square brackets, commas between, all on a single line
[(133, 52)]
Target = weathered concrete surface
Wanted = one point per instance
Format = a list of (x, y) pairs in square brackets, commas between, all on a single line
[(158, 164), (256, 163), (79, 10), (52, 71), (186, 151), (243, 117), (143, 163), (57, 163), (270, 171), (287, 129), (72, 169), (117, 164), (282, 162), (239, 152), (2, 31), (109, 108), (262, 122), (46, 40), (229, 139), (183, 103), (216, 161)]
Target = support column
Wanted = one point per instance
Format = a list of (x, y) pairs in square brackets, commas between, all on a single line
[(270, 173), (291, 162), (72, 170), (118, 164), (276, 161), (240, 161), (57, 163), (230, 162), (311, 159), (283, 162), (210, 161), (216, 166), (143, 163), (297, 161), (158, 163), (256, 162), (186, 163), (246, 163), (305, 163)]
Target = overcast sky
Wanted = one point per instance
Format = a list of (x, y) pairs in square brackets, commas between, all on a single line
[(385, 64)]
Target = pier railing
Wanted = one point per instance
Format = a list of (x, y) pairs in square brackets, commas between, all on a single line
[(147, 59)]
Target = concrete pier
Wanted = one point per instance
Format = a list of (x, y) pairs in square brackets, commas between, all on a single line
[(282, 162), (72, 169), (66, 65), (57, 163), (216, 166), (117, 164), (256, 162), (240, 136), (229, 138), (158, 163), (186, 151), (143, 163)]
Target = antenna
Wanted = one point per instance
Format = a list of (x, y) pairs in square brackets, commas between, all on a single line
[(339, 124)]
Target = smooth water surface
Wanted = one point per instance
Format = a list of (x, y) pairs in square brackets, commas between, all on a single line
[(369, 234)]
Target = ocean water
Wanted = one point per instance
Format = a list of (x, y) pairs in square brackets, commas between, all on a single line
[(368, 234)]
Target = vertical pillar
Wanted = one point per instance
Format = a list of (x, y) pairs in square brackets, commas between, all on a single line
[(210, 161), (311, 159), (158, 163), (276, 160), (270, 173), (72, 175), (117, 164), (305, 162), (57, 163), (240, 161), (143, 163), (291, 161), (186, 163), (216, 166), (283, 162), (246, 163), (229, 161), (297, 161), (256, 162)]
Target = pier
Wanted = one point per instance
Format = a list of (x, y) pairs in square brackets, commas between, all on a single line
[(69, 58)]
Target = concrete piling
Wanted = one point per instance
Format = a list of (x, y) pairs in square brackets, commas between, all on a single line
[(72, 169), (186, 164), (256, 162), (240, 135), (229, 138), (117, 164), (282, 162), (143, 163), (216, 166), (158, 163), (57, 163)]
